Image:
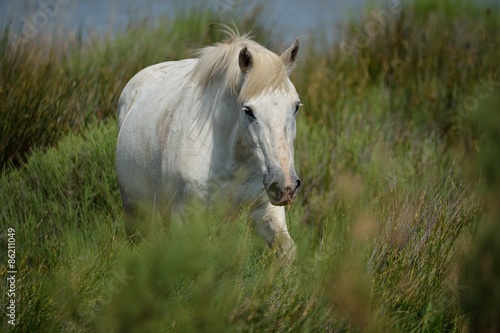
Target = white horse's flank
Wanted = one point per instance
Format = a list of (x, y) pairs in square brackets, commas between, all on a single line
[(221, 125)]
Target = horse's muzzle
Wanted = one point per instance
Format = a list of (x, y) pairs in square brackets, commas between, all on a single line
[(281, 196)]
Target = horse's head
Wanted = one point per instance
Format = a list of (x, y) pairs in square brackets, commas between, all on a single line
[(269, 105)]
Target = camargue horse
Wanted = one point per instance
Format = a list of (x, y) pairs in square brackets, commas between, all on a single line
[(220, 125)]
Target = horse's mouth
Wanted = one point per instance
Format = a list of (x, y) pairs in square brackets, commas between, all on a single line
[(281, 198)]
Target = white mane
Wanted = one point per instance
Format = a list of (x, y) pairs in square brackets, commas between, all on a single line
[(221, 62)]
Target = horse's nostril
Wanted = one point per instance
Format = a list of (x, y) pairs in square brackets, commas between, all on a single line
[(298, 184)]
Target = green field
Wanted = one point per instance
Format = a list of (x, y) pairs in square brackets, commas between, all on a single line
[(397, 225)]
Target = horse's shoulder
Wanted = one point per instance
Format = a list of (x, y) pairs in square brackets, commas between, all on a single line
[(152, 79)]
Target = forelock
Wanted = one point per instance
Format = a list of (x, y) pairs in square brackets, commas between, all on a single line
[(220, 61)]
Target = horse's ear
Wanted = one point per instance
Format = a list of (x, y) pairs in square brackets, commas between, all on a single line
[(245, 60), (289, 57)]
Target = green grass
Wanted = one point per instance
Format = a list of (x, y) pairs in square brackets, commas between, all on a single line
[(386, 225)]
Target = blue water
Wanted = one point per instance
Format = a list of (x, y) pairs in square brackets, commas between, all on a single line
[(287, 18)]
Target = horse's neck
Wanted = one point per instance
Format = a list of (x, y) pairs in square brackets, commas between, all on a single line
[(222, 108), (228, 126), (224, 117)]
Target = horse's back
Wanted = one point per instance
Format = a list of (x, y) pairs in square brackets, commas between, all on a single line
[(145, 83)]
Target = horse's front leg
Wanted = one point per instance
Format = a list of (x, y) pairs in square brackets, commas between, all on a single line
[(270, 222)]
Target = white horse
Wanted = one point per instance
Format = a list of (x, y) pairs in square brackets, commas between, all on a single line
[(219, 125)]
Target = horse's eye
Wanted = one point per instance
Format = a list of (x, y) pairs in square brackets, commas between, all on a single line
[(297, 108), (249, 112)]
